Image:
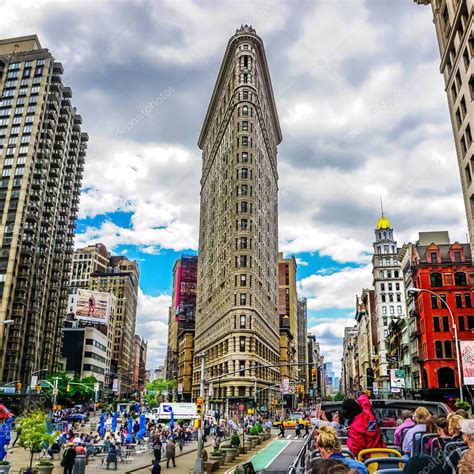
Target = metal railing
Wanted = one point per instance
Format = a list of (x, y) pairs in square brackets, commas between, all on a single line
[(298, 466)]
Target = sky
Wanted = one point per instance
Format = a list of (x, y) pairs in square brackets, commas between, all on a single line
[(363, 114)]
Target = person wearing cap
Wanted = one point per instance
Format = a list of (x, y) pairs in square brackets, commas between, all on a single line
[(363, 432), (466, 463)]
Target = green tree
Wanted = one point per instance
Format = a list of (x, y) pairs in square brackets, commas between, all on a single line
[(161, 385), (339, 397), (33, 434)]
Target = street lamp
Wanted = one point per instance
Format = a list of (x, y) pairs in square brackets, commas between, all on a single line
[(456, 341)]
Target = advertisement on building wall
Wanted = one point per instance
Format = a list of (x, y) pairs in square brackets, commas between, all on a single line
[(467, 361), (91, 306)]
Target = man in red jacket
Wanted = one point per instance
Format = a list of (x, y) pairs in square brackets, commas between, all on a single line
[(364, 432)]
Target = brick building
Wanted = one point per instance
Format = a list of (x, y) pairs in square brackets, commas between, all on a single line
[(447, 270)]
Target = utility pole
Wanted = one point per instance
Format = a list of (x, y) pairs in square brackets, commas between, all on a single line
[(55, 391), (198, 465)]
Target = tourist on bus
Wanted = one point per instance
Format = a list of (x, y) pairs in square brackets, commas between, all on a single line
[(363, 432), (421, 416), (407, 423)]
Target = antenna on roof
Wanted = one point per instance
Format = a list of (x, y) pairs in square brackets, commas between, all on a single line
[(381, 204)]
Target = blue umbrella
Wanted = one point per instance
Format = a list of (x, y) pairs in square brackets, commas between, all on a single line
[(102, 426), (137, 407), (114, 423), (172, 420), (3, 442), (142, 431), (8, 430), (129, 438)]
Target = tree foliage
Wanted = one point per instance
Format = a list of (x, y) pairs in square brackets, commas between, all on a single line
[(79, 389), (159, 386), (33, 433)]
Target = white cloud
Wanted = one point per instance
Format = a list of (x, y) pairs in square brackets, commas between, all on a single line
[(152, 325), (336, 290)]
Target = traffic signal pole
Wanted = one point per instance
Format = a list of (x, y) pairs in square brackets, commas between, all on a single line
[(198, 465)]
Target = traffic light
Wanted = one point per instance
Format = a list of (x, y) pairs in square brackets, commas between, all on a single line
[(18, 387), (314, 372), (199, 406), (38, 388)]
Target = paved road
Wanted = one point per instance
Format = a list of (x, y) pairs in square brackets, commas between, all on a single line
[(278, 456)]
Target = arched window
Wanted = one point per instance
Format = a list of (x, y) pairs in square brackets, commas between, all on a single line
[(436, 279), (446, 378), (460, 279)]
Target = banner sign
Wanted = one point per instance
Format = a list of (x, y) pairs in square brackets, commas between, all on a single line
[(467, 361)]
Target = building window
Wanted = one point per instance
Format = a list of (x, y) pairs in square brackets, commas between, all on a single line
[(245, 141), (243, 280), (245, 96), (243, 242), (434, 257), (392, 310), (382, 286), (462, 326), (245, 110), (460, 279), (243, 299), (399, 309), (245, 157), (448, 350), (242, 344), (436, 326), (467, 299), (245, 126), (434, 301), (385, 320), (445, 323), (457, 256), (242, 367), (384, 309), (458, 301), (436, 279), (243, 224), (470, 322), (243, 321), (439, 349)]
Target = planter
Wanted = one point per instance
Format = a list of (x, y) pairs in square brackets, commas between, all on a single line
[(45, 469), (243, 449), (4, 468), (260, 438), (229, 454), (218, 457), (266, 436), (27, 470), (252, 440)]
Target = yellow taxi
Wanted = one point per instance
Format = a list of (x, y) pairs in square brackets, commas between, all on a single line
[(292, 421)]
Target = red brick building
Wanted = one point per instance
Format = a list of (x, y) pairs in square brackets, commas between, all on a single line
[(447, 270)]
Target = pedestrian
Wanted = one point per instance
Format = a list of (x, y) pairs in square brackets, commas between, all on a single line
[(282, 430), (170, 452), (156, 469), (157, 446), (69, 458), (297, 430), (306, 430), (18, 432)]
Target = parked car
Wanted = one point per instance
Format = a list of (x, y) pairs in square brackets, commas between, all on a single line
[(75, 417)]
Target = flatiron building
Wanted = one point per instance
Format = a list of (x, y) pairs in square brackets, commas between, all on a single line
[(237, 320)]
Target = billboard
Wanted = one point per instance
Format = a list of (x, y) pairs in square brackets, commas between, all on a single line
[(467, 361), (93, 306)]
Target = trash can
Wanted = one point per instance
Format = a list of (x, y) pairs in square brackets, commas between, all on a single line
[(79, 465)]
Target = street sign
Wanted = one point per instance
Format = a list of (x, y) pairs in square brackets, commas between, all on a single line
[(286, 385), (375, 387), (96, 387), (34, 380), (180, 388), (397, 378), (55, 391)]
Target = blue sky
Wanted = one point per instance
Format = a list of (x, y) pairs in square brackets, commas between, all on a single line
[(362, 111)]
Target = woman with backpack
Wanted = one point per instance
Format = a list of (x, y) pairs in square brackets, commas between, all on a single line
[(69, 458)]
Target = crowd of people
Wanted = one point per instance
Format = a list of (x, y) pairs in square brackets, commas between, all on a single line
[(425, 443)]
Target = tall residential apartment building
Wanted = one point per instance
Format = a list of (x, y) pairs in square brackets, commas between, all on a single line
[(453, 21), (42, 150), (288, 310), (237, 324), (121, 279)]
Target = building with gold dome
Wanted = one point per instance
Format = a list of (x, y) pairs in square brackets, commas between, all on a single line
[(390, 303)]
